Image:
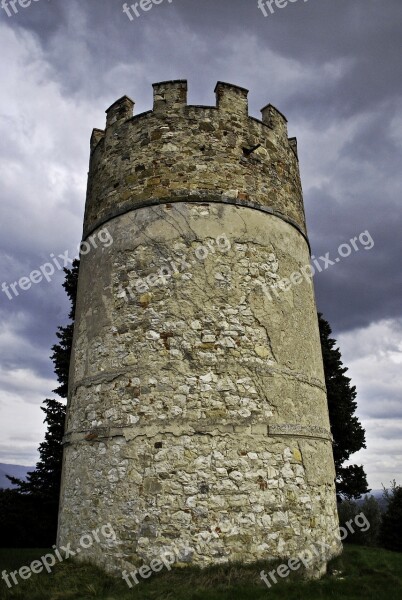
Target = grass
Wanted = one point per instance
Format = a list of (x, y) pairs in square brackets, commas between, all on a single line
[(369, 573)]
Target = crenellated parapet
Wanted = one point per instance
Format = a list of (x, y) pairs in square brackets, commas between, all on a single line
[(179, 152)]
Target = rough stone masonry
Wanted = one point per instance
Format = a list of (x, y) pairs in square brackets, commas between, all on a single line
[(197, 412)]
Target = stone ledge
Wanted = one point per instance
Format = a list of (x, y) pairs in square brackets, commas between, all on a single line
[(190, 198), (130, 432), (291, 430)]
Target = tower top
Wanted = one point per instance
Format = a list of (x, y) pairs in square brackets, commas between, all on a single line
[(171, 96), (178, 152)]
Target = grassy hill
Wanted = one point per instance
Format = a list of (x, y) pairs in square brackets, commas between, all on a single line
[(372, 574)]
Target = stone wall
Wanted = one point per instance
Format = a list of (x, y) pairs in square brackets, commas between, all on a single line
[(197, 414)]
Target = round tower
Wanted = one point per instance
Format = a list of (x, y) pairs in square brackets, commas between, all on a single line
[(197, 417)]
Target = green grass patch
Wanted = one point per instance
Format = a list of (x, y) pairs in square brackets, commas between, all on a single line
[(369, 573)]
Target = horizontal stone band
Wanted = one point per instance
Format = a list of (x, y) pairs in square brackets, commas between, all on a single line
[(107, 377), (300, 431), (199, 199), (130, 432)]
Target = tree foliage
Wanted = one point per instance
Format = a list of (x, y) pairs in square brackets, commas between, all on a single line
[(391, 529), (30, 511), (363, 533), (62, 351), (348, 434)]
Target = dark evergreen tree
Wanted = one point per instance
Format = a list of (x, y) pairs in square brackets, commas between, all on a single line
[(36, 500), (44, 482), (349, 435), (364, 531), (21, 519), (391, 528), (62, 351)]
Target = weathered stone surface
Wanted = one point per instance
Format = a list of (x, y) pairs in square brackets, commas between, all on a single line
[(178, 150), (197, 414)]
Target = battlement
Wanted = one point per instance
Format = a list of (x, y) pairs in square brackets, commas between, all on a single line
[(272, 117), (170, 97), (231, 98), (97, 135), (179, 151), (119, 111)]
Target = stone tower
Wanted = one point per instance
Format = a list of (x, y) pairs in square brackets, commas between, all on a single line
[(197, 414)]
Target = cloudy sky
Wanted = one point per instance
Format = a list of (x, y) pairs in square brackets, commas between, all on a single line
[(332, 66)]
